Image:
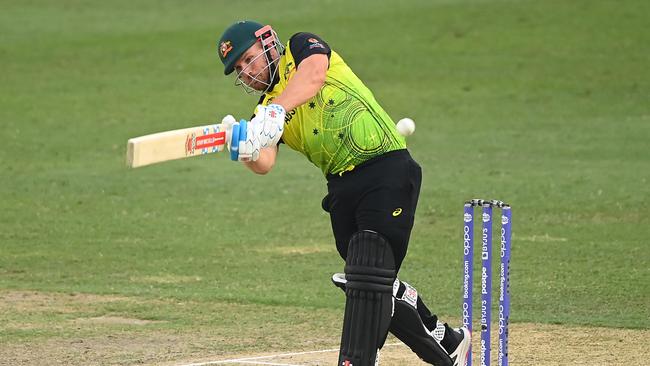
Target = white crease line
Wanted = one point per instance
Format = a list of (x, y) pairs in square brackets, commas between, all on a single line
[(246, 359)]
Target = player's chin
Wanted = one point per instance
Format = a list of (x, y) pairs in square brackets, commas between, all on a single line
[(258, 85)]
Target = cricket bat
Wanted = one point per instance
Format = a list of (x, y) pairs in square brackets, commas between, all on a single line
[(176, 144)]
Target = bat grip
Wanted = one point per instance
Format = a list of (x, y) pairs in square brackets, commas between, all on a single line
[(238, 135)]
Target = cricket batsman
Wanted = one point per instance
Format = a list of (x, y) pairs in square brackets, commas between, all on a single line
[(312, 102)]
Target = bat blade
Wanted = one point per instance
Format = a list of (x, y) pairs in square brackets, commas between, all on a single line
[(176, 144)]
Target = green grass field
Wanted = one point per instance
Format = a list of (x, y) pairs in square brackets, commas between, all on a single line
[(544, 104)]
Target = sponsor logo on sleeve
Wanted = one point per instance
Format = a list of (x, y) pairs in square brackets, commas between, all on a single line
[(315, 43), (410, 295)]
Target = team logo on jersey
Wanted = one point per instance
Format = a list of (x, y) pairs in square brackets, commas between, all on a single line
[(288, 69), (225, 47)]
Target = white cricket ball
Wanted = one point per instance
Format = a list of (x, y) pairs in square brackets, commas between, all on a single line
[(405, 126)]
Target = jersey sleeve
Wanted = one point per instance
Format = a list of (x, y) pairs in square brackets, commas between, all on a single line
[(304, 44)]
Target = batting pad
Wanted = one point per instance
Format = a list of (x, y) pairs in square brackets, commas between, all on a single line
[(370, 274)]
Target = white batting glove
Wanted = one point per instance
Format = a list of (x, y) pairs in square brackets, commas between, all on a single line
[(242, 139), (268, 123), (249, 148), (227, 122)]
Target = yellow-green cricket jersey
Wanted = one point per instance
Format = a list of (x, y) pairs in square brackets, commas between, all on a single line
[(343, 125)]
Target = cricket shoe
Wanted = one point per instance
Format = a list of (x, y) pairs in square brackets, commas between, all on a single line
[(462, 338)]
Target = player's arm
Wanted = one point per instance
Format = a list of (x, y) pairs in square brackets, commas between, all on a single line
[(264, 162), (255, 145), (311, 55), (259, 150), (305, 83)]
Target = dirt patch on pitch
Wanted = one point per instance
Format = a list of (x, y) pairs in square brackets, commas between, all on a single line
[(543, 344), (114, 349), (530, 344), (166, 279), (115, 320), (298, 250), (82, 329), (34, 301)]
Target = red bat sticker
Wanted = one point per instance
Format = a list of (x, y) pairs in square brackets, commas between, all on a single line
[(189, 144), (211, 140), (203, 142)]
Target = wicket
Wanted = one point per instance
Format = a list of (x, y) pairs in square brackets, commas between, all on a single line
[(486, 277)]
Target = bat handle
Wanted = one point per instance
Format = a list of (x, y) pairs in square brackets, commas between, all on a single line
[(238, 135)]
